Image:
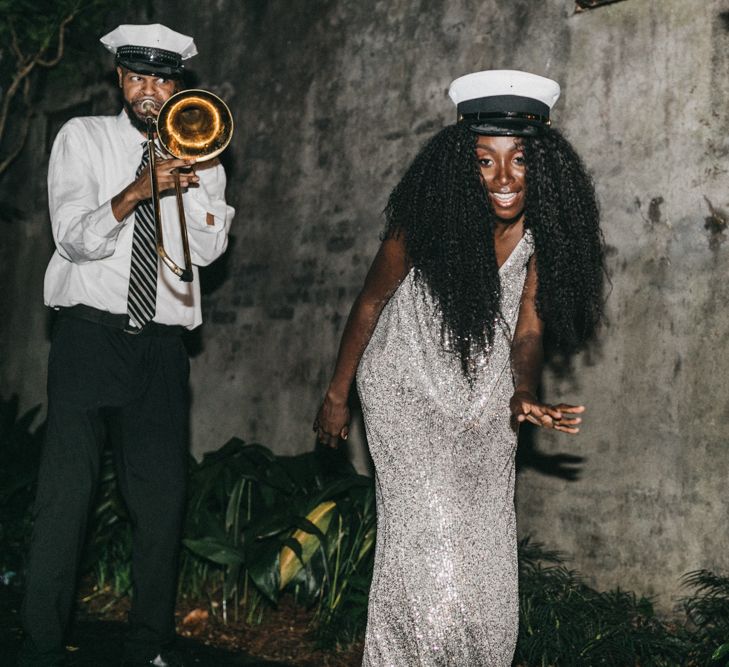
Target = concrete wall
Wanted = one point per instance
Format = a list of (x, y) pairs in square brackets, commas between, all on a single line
[(332, 100), (647, 86)]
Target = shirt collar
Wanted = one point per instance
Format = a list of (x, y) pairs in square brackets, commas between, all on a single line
[(131, 137)]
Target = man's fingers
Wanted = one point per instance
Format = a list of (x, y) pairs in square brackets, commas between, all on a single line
[(572, 430), (168, 182), (173, 163), (169, 176), (169, 168), (188, 182)]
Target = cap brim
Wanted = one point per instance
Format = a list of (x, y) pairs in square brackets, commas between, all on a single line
[(506, 127), (142, 67)]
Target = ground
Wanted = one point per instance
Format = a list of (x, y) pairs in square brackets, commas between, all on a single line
[(282, 639)]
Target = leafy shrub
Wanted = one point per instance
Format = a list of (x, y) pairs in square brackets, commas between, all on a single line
[(260, 526), (267, 525), (565, 622), (707, 612), (20, 444)]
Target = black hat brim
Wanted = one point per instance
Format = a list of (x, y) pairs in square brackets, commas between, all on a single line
[(142, 67), (506, 127)]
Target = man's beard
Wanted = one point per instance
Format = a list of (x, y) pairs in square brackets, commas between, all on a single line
[(139, 123)]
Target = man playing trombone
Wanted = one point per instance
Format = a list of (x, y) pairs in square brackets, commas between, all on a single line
[(117, 364)]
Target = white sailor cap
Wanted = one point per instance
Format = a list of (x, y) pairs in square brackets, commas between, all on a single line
[(150, 49), (504, 102)]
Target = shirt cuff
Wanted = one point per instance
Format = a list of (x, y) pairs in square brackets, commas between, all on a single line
[(200, 204), (104, 223)]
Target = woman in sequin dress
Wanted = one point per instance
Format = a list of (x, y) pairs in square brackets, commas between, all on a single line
[(492, 242)]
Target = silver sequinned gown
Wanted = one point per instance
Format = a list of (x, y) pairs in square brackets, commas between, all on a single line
[(444, 588)]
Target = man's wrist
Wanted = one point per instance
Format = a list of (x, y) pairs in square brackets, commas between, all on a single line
[(123, 203), (130, 194)]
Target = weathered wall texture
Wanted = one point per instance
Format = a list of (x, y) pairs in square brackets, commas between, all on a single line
[(647, 86), (332, 99)]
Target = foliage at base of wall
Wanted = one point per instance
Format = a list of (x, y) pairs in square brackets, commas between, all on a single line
[(36, 37), (260, 526)]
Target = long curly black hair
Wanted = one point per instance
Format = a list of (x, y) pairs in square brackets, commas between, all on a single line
[(441, 210)]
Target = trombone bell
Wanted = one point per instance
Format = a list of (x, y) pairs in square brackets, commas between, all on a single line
[(192, 124), (195, 124)]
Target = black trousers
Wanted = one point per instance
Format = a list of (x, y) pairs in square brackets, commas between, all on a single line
[(133, 388)]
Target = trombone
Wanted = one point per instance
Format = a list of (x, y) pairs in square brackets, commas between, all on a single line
[(190, 124)]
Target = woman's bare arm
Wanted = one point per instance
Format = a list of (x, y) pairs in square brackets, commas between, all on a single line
[(388, 270), (527, 357)]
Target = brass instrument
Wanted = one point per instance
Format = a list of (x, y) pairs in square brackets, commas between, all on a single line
[(191, 124)]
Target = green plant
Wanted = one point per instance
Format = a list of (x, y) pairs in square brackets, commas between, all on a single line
[(707, 613), (268, 525), (721, 653), (260, 526), (34, 36), (20, 444), (342, 610), (565, 622)]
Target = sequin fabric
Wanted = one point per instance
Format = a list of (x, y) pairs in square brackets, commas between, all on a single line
[(444, 588)]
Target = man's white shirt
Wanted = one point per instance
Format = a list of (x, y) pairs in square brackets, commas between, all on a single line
[(93, 159)]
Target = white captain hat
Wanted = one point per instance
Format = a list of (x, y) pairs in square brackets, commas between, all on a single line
[(504, 101), (150, 49)]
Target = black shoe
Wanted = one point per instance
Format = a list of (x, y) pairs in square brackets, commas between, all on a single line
[(164, 659)]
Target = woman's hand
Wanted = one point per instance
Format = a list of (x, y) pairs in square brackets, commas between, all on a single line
[(388, 270), (525, 407), (332, 421)]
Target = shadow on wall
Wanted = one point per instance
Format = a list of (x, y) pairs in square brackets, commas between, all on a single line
[(564, 466), (528, 456), (212, 277)]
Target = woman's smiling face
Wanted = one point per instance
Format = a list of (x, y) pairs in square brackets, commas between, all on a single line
[(503, 172)]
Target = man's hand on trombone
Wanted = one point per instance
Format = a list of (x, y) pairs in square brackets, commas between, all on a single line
[(141, 188), (165, 173)]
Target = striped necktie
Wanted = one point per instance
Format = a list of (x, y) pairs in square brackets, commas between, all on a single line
[(142, 296)]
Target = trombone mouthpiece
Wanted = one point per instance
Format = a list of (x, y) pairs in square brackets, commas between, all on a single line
[(148, 107)]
